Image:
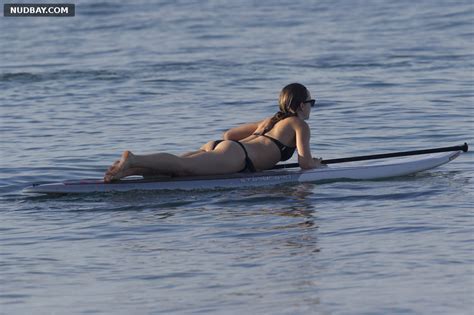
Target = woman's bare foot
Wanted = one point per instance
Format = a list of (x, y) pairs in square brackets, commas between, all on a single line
[(119, 168)]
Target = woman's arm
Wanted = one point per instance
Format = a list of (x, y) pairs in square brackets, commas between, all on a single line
[(204, 148), (241, 132), (305, 159)]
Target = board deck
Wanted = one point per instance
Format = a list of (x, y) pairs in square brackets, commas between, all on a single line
[(347, 171)]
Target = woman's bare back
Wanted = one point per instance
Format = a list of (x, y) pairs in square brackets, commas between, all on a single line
[(262, 150)]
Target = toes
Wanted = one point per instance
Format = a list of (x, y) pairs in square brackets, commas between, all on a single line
[(115, 171), (115, 164), (108, 178), (113, 167)]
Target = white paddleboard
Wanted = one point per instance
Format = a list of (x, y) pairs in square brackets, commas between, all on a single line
[(361, 171)]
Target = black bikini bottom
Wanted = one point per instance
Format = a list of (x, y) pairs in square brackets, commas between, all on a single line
[(249, 167)]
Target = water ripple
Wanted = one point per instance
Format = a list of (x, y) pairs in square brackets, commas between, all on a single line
[(167, 76)]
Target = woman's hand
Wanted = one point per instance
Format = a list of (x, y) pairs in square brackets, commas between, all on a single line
[(262, 126), (310, 163), (317, 162), (208, 146)]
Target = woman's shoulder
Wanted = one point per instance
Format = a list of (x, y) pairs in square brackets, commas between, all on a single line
[(296, 122)]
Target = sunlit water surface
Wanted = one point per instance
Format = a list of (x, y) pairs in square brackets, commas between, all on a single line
[(161, 76)]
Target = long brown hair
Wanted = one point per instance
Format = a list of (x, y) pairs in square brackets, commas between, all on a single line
[(291, 96)]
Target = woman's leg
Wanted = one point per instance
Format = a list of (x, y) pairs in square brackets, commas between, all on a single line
[(210, 146), (188, 154), (131, 171), (228, 158), (131, 164), (145, 172)]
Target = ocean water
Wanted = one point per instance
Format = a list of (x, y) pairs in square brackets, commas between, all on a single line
[(166, 76)]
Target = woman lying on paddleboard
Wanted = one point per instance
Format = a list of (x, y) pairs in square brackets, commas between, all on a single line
[(246, 148)]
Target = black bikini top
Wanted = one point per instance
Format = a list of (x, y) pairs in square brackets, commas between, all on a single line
[(286, 152)]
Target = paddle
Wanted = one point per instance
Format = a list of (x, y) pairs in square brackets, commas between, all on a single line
[(463, 147)]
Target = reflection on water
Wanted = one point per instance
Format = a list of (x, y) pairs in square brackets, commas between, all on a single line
[(168, 76)]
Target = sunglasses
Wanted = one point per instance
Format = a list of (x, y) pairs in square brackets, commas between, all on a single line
[(311, 102)]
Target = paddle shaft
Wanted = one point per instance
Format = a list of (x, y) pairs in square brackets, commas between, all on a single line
[(463, 147)]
